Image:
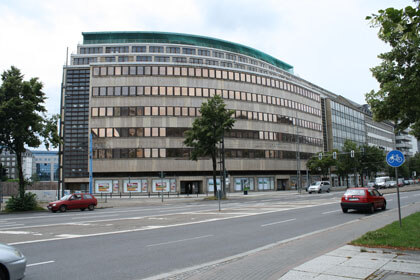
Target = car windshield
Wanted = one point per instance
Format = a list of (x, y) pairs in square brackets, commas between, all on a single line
[(355, 192), (66, 197), (317, 183)]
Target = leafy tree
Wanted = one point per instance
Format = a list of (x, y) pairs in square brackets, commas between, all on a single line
[(321, 166), (3, 173), (345, 163), (372, 160), (398, 75), (23, 118), (207, 131)]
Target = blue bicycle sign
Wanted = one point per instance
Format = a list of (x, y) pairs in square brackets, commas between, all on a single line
[(395, 158)]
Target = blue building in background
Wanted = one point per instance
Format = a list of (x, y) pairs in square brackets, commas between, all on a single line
[(46, 165)]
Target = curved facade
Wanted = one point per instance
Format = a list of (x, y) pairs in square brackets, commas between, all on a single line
[(137, 93)]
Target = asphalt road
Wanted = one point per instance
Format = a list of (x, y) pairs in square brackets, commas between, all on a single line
[(141, 242)]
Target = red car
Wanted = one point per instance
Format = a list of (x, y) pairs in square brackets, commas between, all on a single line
[(74, 201), (362, 199)]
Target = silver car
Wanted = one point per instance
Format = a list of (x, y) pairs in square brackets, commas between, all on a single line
[(319, 187), (12, 263)]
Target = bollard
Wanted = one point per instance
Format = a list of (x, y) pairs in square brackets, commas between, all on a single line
[(148, 194), (168, 194), (120, 194)]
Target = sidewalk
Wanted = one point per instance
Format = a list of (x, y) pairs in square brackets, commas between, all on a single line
[(353, 262)]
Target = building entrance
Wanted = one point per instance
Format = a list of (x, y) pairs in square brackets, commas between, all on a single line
[(191, 187), (282, 184)]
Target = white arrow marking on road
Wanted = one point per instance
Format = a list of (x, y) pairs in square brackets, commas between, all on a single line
[(275, 223), (34, 264), (176, 241)]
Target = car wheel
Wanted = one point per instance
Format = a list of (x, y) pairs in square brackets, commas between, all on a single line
[(54, 211), (3, 273), (384, 206), (63, 208), (372, 209), (310, 192), (82, 209), (344, 210), (328, 190), (320, 191), (91, 207)]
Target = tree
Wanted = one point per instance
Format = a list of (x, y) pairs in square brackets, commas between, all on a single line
[(347, 164), (3, 173), (321, 166), (372, 160), (23, 118), (398, 75), (207, 131)]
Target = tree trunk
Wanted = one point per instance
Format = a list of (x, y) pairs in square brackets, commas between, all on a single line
[(20, 174), (214, 160)]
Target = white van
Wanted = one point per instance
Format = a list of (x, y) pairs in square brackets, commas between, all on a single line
[(380, 182)]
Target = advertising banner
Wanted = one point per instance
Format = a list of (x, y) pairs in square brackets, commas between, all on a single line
[(103, 186), (134, 185), (210, 185), (160, 185)]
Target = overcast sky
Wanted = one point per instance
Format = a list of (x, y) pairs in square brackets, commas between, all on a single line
[(328, 42)]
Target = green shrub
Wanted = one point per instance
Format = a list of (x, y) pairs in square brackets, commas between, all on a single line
[(17, 203)]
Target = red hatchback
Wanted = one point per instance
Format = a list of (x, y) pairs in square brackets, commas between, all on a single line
[(362, 199), (74, 201)]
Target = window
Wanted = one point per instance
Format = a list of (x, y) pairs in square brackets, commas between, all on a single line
[(156, 49), (138, 49), (179, 59), (143, 58), (120, 49), (188, 51), (173, 50), (218, 54), (161, 58), (110, 59), (123, 59), (204, 52)]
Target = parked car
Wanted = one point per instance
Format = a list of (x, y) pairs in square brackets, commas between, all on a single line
[(74, 201), (12, 263), (390, 184), (411, 181), (406, 182), (319, 187), (381, 181), (400, 182), (371, 184), (362, 199)]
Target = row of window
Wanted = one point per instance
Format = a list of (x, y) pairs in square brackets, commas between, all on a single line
[(161, 49), (195, 112), (203, 92), (110, 132), (205, 73), (185, 153)]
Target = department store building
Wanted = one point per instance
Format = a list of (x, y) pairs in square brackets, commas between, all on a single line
[(128, 98)]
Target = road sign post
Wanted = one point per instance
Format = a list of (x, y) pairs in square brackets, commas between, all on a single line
[(395, 159)]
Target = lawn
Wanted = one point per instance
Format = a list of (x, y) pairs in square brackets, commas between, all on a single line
[(392, 236)]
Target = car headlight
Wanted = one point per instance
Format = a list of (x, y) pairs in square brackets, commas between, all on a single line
[(54, 204), (18, 253)]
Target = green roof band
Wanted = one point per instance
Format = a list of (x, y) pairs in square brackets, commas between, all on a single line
[(178, 38)]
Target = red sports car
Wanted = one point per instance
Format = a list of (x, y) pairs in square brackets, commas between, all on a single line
[(362, 199)]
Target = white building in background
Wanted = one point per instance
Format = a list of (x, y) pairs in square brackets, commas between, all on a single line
[(404, 143), (9, 162)]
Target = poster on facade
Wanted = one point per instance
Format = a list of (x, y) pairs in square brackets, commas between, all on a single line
[(210, 185), (173, 185), (103, 186), (144, 186), (160, 185), (115, 186)]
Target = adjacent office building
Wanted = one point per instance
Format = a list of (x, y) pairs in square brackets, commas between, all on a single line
[(46, 165), (9, 162), (134, 94)]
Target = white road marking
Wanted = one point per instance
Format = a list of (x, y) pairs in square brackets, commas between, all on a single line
[(275, 223), (389, 199), (177, 241), (404, 196), (11, 224), (103, 216), (331, 212), (417, 194), (16, 232), (40, 263)]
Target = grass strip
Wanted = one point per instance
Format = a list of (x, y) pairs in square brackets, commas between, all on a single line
[(392, 236)]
